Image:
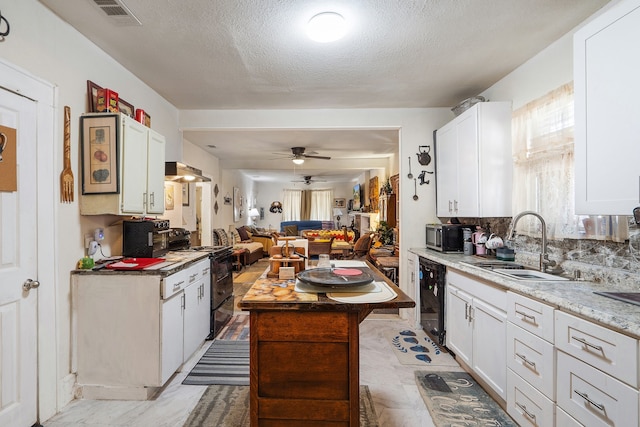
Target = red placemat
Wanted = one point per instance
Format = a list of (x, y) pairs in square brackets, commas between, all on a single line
[(134, 263)]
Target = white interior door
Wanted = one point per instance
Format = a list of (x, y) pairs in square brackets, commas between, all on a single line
[(18, 263)]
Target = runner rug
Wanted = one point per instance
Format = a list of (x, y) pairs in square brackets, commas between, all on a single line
[(455, 399), (224, 362), (228, 406), (416, 348)]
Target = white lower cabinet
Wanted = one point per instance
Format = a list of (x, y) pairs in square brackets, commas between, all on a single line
[(532, 358), (476, 328), (132, 331), (592, 397), (526, 405), (565, 420)]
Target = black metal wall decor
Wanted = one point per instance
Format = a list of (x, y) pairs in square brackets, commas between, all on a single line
[(4, 33)]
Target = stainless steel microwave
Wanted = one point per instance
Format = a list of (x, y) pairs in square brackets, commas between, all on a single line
[(446, 237)]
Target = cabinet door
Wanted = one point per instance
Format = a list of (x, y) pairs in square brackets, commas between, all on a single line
[(606, 71), (458, 315), (133, 178), (192, 336), (155, 173), (490, 345), (467, 161), (172, 335), (446, 170)]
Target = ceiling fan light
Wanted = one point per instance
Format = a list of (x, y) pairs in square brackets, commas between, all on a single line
[(298, 161), (326, 27)]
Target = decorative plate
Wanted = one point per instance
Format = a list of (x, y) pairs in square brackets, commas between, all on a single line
[(327, 277)]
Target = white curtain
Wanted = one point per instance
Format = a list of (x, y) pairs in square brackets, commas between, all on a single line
[(322, 205), (544, 179), (291, 204)]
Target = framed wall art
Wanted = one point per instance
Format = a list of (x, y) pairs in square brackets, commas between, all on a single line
[(92, 92), (237, 204), (126, 108), (99, 147), (339, 203), (185, 194)]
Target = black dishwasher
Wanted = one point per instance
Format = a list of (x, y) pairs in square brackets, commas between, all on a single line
[(432, 280)]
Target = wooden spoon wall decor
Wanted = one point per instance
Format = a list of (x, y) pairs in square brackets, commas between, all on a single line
[(66, 177)]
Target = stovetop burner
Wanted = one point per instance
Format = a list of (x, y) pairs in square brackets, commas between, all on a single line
[(630, 297)]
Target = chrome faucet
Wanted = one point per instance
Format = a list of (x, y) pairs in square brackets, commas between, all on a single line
[(544, 256)]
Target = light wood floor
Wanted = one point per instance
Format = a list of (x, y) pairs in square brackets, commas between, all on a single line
[(396, 397)]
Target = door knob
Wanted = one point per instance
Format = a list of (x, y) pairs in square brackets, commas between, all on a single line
[(30, 284)]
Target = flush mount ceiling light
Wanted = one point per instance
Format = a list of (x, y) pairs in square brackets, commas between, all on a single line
[(298, 161), (326, 27)]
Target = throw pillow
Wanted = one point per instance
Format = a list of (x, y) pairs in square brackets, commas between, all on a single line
[(290, 230), (243, 233), (235, 235), (223, 239)]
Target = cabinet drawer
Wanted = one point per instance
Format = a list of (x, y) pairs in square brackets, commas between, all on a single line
[(607, 350), (526, 405), (592, 397), (479, 289), (532, 358), (530, 315), (565, 420)]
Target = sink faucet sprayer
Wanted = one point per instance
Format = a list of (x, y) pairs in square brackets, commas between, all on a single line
[(544, 256)]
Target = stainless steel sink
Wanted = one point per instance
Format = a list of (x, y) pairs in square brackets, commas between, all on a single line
[(515, 271), (530, 275)]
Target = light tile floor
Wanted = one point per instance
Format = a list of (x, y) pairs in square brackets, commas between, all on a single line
[(393, 387)]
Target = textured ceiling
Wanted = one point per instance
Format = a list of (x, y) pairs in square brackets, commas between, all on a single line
[(253, 54)]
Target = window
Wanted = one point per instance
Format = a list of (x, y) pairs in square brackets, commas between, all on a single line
[(543, 172), (318, 205)]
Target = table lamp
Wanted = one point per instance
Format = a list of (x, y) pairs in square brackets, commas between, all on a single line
[(253, 214), (337, 212)]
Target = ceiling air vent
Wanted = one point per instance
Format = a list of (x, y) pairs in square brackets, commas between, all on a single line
[(117, 12)]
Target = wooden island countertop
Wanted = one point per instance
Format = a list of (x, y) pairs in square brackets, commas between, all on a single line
[(304, 353)]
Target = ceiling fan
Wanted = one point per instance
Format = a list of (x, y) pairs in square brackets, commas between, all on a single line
[(298, 155), (308, 179)]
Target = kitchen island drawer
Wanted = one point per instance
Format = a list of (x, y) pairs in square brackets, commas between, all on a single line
[(178, 281), (533, 316), (592, 397), (607, 350)]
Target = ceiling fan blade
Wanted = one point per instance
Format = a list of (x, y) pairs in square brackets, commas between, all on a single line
[(316, 157)]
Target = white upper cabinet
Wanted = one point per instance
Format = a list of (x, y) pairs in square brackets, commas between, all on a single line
[(141, 154), (474, 165), (607, 128)]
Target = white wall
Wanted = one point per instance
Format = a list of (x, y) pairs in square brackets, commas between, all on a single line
[(50, 49)]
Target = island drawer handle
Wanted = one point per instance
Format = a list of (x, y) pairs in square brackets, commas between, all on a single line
[(587, 343), (178, 285), (524, 409), (585, 396)]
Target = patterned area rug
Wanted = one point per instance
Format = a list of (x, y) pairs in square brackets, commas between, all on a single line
[(416, 348), (225, 362), (455, 399), (228, 406)]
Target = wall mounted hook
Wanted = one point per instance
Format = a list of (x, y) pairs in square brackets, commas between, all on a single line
[(6, 23)]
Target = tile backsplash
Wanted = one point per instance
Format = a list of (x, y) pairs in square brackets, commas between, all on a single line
[(617, 263)]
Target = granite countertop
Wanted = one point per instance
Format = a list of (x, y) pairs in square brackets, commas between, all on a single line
[(174, 262), (572, 296)]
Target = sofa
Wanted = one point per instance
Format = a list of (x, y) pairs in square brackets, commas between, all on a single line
[(294, 228), (256, 249)]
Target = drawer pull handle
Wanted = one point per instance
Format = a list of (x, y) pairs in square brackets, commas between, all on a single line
[(466, 311), (178, 285), (524, 409), (587, 343), (525, 360), (585, 396), (526, 317)]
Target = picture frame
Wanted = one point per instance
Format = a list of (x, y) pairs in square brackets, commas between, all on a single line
[(185, 194), (92, 94), (237, 204), (339, 203), (147, 120), (126, 108), (169, 199), (99, 154), (357, 202)]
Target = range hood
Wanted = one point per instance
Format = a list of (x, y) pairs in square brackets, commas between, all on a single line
[(179, 172)]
